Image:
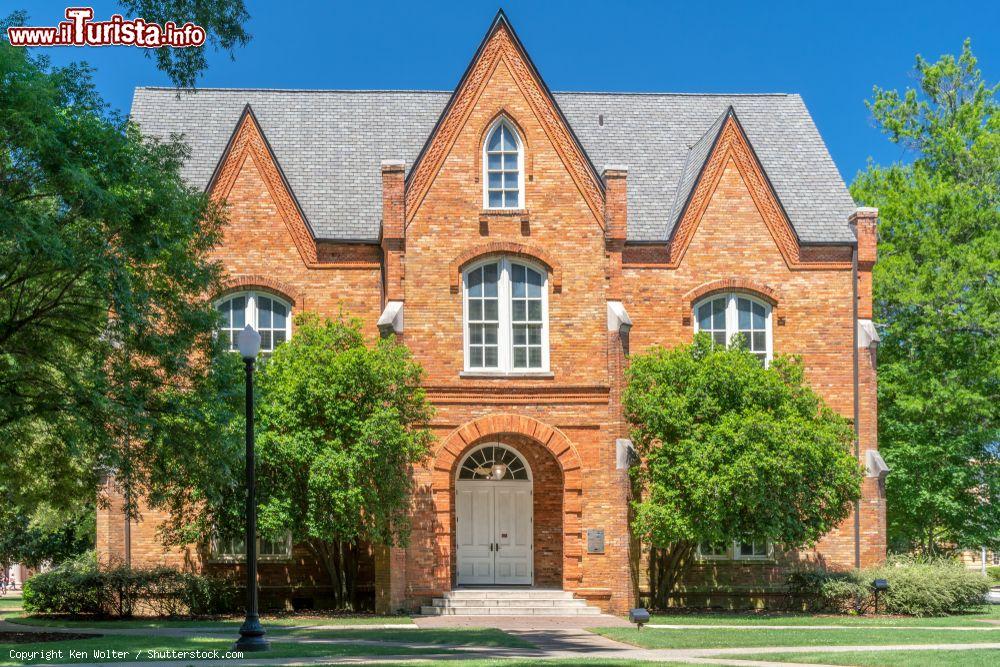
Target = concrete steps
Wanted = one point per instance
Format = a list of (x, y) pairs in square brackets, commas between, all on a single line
[(508, 602)]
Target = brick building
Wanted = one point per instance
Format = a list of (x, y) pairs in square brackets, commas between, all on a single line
[(523, 243)]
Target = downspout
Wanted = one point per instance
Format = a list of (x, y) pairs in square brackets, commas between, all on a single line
[(857, 406)]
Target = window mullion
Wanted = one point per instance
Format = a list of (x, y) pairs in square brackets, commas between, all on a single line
[(251, 312), (505, 333)]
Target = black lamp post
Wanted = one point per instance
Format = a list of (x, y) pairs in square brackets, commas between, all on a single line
[(251, 632)]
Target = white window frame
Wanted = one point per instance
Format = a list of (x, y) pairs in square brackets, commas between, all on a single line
[(701, 555), (767, 555), (505, 329), (252, 314), (216, 556), (732, 317), (509, 127)]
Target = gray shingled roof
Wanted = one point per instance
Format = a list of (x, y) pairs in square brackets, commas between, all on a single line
[(330, 143)]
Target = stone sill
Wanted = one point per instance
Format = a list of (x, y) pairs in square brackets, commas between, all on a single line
[(488, 214), (539, 375), (239, 560)]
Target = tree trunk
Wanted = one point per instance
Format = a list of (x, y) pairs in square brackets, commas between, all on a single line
[(667, 566)]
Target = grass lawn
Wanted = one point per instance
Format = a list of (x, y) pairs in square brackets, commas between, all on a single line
[(733, 637), (988, 612), (970, 658), (481, 637), (11, 601), (268, 621), (139, 648)]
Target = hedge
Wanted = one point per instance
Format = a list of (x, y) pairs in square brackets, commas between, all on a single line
[(80, 588), (916, 588)]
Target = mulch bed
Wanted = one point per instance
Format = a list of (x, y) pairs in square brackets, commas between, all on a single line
[(36, 637)]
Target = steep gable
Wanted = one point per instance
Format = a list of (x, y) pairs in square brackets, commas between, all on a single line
[(723, 145), (502, 48), (248, 143)]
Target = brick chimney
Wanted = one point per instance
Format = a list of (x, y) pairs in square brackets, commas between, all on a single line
[(393, 223), (615, 224), (864, 222), (615, 204)]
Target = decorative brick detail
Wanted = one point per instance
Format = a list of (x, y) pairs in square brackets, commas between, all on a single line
[(505, 248), (501, 47), (233, 283), (733, 147), (248, 142), (735, 284), (525, 434)]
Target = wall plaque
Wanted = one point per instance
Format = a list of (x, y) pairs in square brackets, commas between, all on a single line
[(595, 540)]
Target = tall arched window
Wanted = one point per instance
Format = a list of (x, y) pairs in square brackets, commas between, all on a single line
[(725, 315), (268, 314), (503, 168), (506, 317)]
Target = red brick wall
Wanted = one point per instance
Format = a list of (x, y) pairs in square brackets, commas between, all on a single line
[(575, 411)]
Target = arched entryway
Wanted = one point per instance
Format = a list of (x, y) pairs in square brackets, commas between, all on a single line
[(494, 516), (556, 484)]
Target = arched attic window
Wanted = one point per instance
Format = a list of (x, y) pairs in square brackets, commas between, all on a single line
[(503, 168), (723, 316), (265, 312)]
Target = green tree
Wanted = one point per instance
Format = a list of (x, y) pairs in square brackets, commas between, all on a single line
[(106, 334), (224, 23), (47, 537), (937, 299), (341, 425), (731, 450)]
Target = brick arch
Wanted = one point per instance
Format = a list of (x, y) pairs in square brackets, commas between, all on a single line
[(762, 291), (502, 112), (458, 442), (505, 248), (248, 281)]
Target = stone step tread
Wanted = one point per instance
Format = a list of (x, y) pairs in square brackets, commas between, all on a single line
[(508, 602), (508, 611), (489, 595)]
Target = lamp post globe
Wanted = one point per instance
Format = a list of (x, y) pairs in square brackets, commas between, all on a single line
[(251, 632)]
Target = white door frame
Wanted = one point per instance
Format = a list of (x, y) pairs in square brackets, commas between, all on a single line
[(480, 548)]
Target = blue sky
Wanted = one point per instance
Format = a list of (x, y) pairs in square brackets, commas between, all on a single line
[(830, 53)]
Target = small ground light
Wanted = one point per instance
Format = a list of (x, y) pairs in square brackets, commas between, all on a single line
[(879, 586), (638, 616)]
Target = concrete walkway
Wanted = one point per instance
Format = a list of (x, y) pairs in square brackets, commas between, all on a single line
[(549, 644)]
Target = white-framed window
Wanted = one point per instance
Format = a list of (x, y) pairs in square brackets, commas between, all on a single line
[(503, 167), (234, 548), (710, 551), (268, 314), (752, 549), (723, 316), (736, 550), (505, 308)]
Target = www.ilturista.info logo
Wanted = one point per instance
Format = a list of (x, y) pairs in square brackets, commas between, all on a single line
[(80, 30)]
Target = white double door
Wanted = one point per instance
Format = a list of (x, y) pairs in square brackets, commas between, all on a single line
[(493, 532)]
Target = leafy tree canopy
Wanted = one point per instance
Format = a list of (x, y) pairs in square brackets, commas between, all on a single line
[(339, 426), (106, 342), (224, 23), (937, 297), (730, 450)]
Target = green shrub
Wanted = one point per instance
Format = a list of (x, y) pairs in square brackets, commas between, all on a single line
[(72, 588), (993, 573), (929, 587), (81, 588), (916, 588), (822, 590), (210, 596)]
